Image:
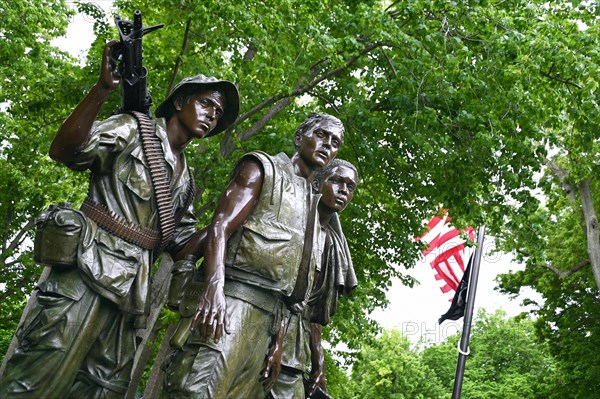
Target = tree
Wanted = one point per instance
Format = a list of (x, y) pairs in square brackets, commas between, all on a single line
[(559, 241), (389, 368), (39, 87), (506, 361)]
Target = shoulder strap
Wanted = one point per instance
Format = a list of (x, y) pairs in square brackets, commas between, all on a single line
[(158, 175), (190, 193), (303, 288)]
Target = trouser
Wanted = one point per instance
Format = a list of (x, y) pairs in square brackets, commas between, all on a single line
[(229, 369), (71, 349), (289, 385), (295, 359)]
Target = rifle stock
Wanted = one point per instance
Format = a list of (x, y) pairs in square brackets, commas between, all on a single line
[(134, 92)]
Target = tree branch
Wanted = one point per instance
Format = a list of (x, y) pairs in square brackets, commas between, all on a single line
[(17, 240), (297, 91), (280, 101), (564, 274), (559, 79), (184, 47), (563, 177), (327, 100), (250, 53), (592, 231), (559, 273), (227, 145), (7, 222), (390, 63)]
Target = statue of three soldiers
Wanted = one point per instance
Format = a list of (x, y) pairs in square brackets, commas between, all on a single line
[(275, 259)]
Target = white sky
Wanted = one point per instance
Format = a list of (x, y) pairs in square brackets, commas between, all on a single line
[(414, 311), (80, 33)]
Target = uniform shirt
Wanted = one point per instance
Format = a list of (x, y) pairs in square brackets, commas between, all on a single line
[(120, 180)]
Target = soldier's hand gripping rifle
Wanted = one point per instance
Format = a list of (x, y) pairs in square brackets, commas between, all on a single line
[(128, 55)]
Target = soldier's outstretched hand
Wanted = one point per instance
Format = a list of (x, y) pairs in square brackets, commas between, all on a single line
[(211, 315)]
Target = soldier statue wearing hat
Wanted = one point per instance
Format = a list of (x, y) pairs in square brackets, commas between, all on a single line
[(79, 338)]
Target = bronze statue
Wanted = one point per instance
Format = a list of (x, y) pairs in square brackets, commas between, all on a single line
[(301, 344), (79, 339), (261, 251)]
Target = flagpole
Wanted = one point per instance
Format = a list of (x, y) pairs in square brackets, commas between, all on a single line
[(463, 345)]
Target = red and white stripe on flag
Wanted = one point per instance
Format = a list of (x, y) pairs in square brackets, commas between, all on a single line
[(446, 252)]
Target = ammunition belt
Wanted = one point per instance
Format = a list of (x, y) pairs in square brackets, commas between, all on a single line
[(141, 236), (158, 175)]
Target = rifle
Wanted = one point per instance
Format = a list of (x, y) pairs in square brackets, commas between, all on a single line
[(128, 54)]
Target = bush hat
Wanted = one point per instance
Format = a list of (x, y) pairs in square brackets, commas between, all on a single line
[(232, 99)]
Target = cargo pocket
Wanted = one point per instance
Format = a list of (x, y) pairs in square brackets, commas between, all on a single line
[(135, 175), (111, 263), (57, 236), (47, 325)]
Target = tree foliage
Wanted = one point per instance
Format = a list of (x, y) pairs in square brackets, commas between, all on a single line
[(559, 241), (505, 361), (39, 86), (390, 368)]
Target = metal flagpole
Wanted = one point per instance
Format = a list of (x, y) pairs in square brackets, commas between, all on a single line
[(463, 345)]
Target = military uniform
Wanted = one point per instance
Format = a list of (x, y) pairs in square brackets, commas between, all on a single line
[(336, 277), (263, 266), (79, 338)]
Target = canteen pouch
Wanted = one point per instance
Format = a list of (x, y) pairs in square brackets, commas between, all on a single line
[(57, 235), (187, 307), (191, 295)]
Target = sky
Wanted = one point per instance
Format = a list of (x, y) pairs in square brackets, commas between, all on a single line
[(80, 35), (414, 311)]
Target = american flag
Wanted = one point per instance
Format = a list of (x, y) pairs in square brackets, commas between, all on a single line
[(446, 252)]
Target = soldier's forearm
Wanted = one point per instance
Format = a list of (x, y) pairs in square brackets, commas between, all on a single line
[(214, 256), (76, 129), (195, 245), (316, 348)]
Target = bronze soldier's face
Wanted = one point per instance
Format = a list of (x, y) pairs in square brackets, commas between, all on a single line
[(338, 188), (320, 143), (201, 112)]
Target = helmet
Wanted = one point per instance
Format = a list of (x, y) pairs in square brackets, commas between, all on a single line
[(232, 99)]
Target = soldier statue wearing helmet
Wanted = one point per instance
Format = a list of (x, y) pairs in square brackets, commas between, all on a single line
[(79, 339)]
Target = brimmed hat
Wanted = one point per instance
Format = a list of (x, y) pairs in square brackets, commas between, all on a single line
[(232, 99)]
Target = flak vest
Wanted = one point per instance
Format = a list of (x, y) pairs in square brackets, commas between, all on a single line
[(278, 245)]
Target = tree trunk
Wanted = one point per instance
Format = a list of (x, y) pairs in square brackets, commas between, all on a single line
[(593, 235)]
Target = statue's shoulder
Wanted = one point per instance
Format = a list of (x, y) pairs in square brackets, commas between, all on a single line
[(119, 125), (271, 164), (119, 120), (261, 156)]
